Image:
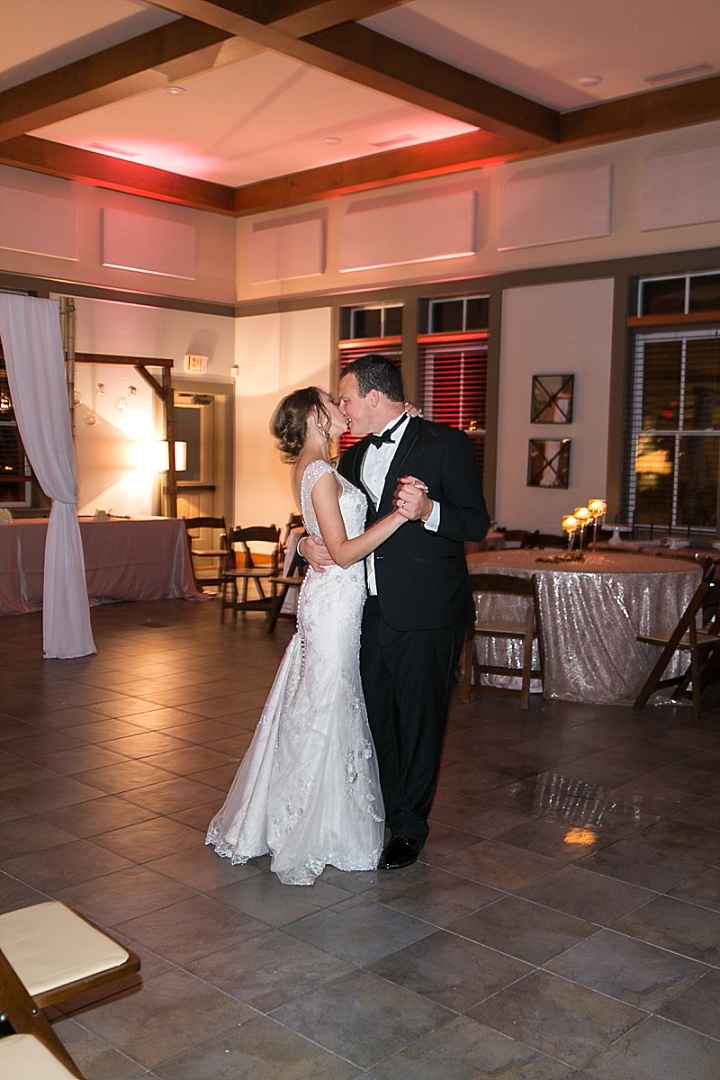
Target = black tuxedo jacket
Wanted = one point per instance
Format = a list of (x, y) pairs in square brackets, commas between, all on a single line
[(422, 578)]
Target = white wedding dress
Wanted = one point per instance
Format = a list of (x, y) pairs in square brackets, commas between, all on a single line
[(307, 791)]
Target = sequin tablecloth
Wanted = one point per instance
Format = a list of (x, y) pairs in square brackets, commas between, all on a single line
[(591, 613)]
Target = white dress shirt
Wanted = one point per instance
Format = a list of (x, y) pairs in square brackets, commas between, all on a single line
[(375, 466)]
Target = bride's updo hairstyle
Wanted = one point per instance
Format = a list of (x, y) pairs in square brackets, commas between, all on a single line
[(289, 424)]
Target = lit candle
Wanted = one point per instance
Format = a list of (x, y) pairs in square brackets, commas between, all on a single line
[(569, 525)]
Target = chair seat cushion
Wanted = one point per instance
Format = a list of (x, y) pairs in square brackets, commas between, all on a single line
[(23, 1057), (49, 945)]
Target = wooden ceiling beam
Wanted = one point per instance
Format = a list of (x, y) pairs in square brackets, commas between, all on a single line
[(121, 71), (443, 157), (55, 159), (381, 63), (641, 114), (373, 60), (298, 18)]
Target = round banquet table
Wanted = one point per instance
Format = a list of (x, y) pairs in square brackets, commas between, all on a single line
[(590, 614)]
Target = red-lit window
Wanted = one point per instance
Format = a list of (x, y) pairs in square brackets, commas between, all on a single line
[(452, 382), (358, 324)]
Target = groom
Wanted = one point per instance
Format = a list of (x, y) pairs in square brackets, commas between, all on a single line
[(419, 600)]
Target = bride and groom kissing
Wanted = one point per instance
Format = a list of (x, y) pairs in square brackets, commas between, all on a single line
[(349, 740)]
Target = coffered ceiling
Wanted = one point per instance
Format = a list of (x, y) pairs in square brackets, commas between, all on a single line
[(239, 106)]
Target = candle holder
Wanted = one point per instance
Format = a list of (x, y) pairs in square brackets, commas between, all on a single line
[(598, 509), (569, 525), (583, 516)]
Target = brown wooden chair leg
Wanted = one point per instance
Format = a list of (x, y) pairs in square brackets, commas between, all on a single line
[(26, 1018)]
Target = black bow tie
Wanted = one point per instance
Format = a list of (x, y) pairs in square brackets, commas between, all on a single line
[(386, 437)]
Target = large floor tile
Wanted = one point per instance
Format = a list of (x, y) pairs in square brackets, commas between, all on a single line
[(558, 1017), (172, 1013), (530, 932), (270, 970), (359, 930), (677, 925), (658, 1050), (362, 1018), (259, 1050), (450, 970), (628, 969)]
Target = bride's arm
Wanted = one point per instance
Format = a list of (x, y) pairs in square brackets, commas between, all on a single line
[(325, 499)]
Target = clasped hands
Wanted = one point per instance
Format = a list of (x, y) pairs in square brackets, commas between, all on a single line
[(411, 502), (411, 499)]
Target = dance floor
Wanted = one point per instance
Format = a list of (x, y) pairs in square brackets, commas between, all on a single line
[(562, 922)]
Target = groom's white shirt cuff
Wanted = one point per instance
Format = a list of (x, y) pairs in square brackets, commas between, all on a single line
[(432, 524)]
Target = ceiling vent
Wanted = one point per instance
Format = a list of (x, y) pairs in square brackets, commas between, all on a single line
[(681, 73)]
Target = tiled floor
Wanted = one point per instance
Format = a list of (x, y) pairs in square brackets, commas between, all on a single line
[(564, 920)]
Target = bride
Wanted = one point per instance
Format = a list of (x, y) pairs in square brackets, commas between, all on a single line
[(307, 791)]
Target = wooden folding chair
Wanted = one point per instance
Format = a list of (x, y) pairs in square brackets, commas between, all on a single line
[(49, 954), (522, 627), (292, 578), (260, 549), (200, 550), (696, 633)]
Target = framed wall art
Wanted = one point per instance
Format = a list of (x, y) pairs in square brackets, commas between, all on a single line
[(548, 463), (552, 399)]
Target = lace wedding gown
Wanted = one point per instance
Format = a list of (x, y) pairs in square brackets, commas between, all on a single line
[(307, 791)]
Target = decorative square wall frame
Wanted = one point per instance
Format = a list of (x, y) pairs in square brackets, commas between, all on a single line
[(552, 399), (548, 463)]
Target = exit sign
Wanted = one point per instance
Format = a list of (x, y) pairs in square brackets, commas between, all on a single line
[(194, 362)]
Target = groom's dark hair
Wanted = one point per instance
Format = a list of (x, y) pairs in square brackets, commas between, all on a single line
[(376, 372)]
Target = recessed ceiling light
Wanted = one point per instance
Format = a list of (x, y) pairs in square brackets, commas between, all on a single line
[(591, 80), (175, 91), (332, 140)]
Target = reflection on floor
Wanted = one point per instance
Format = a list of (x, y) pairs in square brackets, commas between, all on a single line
[(564, 920)]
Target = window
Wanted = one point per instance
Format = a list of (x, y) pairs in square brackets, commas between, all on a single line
[(690, 294), (373, 329), (452, 365), (380, 321), (15, 472), (674, 431)]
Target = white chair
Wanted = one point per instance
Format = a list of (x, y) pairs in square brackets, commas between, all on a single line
[(50, 954), (24, 1057)]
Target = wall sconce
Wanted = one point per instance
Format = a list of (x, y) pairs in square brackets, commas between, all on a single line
[(159, 456)]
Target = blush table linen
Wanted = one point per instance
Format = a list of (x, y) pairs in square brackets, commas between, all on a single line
[(125, 559), (591, 613)]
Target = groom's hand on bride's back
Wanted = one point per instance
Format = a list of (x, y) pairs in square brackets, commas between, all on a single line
[(315, 554)]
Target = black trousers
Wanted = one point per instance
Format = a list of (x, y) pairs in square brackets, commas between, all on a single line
[(407, 677)]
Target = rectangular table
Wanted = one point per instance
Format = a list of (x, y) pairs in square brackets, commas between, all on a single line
[(590, 614), (125, 559)]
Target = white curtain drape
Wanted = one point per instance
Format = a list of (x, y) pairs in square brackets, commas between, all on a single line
[(30, 331)]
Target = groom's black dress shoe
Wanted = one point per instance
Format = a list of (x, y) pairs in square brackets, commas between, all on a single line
[(398, 852)]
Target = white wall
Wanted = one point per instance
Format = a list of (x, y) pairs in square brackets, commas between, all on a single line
[(632, 197), (276, 354), (64, 239), (114, 470), (546, 330)]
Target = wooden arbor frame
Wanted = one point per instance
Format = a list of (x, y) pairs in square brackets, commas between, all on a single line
[(164, 391)]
